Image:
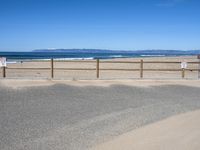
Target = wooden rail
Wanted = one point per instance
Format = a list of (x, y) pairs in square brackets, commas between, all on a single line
[(141, 68)]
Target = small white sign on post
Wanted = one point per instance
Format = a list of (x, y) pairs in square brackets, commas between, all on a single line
[(183, 65), (2, 62)]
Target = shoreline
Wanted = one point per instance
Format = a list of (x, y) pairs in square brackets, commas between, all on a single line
[(119, 68), (112, 57)]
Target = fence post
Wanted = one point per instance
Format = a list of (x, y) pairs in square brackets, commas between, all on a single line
[(141, 68), (183, 73), (97, 68), (4, 72), (52, 68), (198, 57)]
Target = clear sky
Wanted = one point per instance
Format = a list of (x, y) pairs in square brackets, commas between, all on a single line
[(99, 24)]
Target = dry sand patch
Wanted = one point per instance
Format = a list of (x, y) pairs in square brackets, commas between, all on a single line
[(13, 83), (181, 132)]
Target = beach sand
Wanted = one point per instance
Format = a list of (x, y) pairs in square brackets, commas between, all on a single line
[(24, 83), (108, 74), (181, 132)]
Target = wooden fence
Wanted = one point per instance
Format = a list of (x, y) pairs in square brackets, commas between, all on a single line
[(98, 70)]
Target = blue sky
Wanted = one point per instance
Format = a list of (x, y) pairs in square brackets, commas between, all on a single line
[(100, 24)]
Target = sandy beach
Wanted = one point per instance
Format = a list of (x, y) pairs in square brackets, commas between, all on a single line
[(82, 115), (105, 74)]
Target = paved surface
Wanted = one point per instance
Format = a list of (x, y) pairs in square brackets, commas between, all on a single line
[(61, 117)]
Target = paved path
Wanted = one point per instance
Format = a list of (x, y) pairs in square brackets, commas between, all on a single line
[(60, 117)]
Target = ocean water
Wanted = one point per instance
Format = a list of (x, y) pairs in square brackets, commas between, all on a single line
[(64, 55), (83, 55)]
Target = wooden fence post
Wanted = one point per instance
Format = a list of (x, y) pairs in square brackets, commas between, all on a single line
[(141, 68), (183, 73), (198, 57), (4, 72), (97, 68), (52, 68)]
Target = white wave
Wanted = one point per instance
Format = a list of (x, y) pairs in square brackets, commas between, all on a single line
[(116, 56), (88, 58), (152, 55), (11, 62)]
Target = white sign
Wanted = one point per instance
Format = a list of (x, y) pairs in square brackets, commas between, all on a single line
[(2, 62), (183, 65)]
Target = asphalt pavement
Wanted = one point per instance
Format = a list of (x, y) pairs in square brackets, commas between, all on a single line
[(63, 117)]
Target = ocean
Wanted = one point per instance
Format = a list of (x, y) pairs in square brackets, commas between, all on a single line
[(73, 55)]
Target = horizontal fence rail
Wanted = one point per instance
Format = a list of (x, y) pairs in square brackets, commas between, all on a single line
[(52, 69)]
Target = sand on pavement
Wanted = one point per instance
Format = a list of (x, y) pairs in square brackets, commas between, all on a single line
[(181, 132), (22, 83)]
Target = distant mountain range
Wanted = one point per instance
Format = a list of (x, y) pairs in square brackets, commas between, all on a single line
[(145, 52)]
